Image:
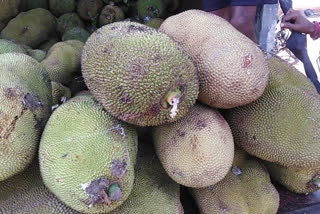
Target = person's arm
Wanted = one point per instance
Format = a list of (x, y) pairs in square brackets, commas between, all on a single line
[(297, 21)]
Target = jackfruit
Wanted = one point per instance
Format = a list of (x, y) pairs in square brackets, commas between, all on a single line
[(25, 94), (63, 60), (33, 4), (7, 46), (26, 193), (76, 33), (148, 9), (60, 94), (8, 10), (37, 54), (77, 84), (45, 46), (109, 14), (68, 21), (232, 69), (282, 126), (197, 150), (153, 191), (139, 75), (246, 189), (89, 9), (87, 157), (59, 7), (30, 28), (154, 22), (298, 180)]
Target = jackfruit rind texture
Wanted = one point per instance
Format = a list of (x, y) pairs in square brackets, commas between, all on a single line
[(8, 10), (298, 180), (197, 150), (83, 150), (26, 193), (25, 94), (59, 7), (60, 93), (89, 10), (247, 188), (30, 28), (63, 60), (76, 33), (148, 9), (153, 190), (133, 70), (109, 14), (283, 125), (68, 21), (7, 46), (37, 54), (232, 69)]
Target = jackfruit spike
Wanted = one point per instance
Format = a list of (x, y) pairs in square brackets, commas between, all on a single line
[(173, 98), (316, 181)]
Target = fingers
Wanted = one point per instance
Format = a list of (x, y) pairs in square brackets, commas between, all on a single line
[(289, 26), (292, 16), (290, 11)]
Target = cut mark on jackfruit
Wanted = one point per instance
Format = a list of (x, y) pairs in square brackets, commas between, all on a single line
[(114, 192), (247, 61), (118, 168), (236, 170), (31, 102), (96, 190)]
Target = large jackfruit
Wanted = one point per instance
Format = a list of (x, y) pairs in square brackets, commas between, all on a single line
[(283, 125), (26, 193), (246, 189), (87, 156), (153, 191), (232, 69), (63, 60), (197, 150), (8, 10), (140, 76), (31, 27), (25, 94)]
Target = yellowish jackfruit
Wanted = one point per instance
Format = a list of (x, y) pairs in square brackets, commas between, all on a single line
[(197, 150), (140, 76), (232, 69)]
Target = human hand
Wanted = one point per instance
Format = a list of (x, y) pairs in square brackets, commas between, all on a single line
[(297, 21)]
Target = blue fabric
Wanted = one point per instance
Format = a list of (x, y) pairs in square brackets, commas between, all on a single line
[(210, 5)]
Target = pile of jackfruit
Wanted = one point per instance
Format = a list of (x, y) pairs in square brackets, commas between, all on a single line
[(113, 107)]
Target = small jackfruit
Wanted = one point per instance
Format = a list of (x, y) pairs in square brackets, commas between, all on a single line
[(87, 157), (76, 33), (68, 21), (25, 94), (89, 9), (197, 150), (109, 14), (59, 7), (148, 9), (139, 75)]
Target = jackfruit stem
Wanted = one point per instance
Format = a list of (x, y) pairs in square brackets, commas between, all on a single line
[(316, 182), (173, 99)]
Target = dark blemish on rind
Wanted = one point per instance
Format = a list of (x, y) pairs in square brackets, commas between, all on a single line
[(125, 98), (118, 168), (11, 127), (114, 28), (31, 102), (181, 133), (97, 191), (10, 93), (201, 124), (136, 28), (223, 207), (114, 192), (254, 137), (64, 155), (155, 109)]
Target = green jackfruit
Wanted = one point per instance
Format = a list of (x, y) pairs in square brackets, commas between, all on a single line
[(139, 75), (33, 4), (232, 69), (151, 9), (154, 22), (45, 46), (89, 9), (153, 191), (76, 33), (87, 157), (8, 10), (7, 46), (109, 14), (58, 7), (37, 54), (298, 180), (68, 21), (197, 150), (26, 193), (282, 126), (246, 189), (60, 93), (25, 94), (30, 28), (63, 60)]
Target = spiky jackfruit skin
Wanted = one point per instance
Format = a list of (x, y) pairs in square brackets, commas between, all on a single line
[(63, 60), (26, 193), (68, 21), (151, 9), (8, 10), (132, 69), (197, 150), (33, 4), (59, 93), (83, 150), (30, 28), (7, 46), (37, 54), (153, 190), (25, 94), (109, 14), (282, 126), (58, 7), (298, 180), (232, 69), (89, 9), (246, 189), (76, 33)]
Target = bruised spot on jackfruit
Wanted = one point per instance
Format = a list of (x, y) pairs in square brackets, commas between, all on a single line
[(118, 168), (181, 133), (31, 102), (136, 28), (125, 98), (96, 190), (247, 61), (11, 93), (114, 192), (236, 170), (126, 116), (223, 207), (201, 124), (119, 130), (153, 110), (179, 173)]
